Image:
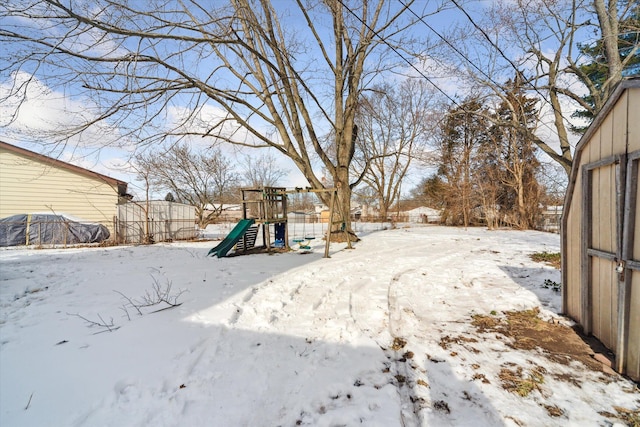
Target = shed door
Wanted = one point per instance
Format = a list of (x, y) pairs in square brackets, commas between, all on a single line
[(629, 296), (611, 257), (603, 198)]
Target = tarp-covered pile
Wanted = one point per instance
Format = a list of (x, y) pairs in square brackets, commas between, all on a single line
[(48, 229)]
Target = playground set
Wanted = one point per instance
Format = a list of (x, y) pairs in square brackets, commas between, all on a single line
[(265, 210)]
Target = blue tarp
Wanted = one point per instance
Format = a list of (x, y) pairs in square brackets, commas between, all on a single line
[(44, 229)]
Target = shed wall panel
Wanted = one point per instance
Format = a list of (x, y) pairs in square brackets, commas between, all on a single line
[(604, 311), (635, 254), (594, 155), (605, 144), (604, 304), (611, 226), (573, 258), (604, 209), (620, 116), (633, 345), (596, 298), (633, 127), (574, 294)]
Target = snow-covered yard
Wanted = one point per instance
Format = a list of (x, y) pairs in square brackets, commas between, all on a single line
[(413, 327)]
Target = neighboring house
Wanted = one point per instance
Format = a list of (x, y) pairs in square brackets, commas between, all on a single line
[(365, 213), (601, 230), (423, 215), (550, 218), (228, 212), (31, 182)]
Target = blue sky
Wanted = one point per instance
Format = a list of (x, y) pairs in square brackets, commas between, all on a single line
[(103, 148)]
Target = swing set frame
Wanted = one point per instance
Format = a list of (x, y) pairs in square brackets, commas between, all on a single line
[(268, 205)]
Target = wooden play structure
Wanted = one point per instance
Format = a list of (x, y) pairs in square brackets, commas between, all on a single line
[(264, 210)]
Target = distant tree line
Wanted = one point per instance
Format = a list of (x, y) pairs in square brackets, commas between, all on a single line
[(344, 93), (486, 163), (205, 179)]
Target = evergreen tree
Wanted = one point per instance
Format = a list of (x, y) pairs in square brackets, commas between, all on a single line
[(429, 192), (596, 69), (510, 156), (464, 129)]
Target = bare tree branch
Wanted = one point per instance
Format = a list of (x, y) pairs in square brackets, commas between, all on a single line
[(236, 72), (108, 326)]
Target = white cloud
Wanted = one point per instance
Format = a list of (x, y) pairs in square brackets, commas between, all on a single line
[(31, 111), (36, 117), (212, 121)]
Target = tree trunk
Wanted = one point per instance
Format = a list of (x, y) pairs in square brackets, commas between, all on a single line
[(565, 158), (202, 220), (523, 222), (609, 27), (384, 211), (341, 230)]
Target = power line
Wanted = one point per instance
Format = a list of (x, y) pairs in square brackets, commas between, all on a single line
[(421, 19), (459, 52), (383, 40), (501, 52), (485, 35), (466, 58)]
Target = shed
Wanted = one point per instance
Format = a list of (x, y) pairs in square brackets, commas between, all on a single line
[(600, 238), (164, 221), (32, 182)]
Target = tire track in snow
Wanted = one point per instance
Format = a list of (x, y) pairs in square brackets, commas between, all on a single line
[(405, 385), (404, 326), (449, 284), (313, 300)]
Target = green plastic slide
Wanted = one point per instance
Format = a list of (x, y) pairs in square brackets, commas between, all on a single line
[(232, 238)]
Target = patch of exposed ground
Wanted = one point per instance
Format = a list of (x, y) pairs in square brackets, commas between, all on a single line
[(629, 417), (549, 258), (521, 383), (559, 343), (446, 341), (527, 331)]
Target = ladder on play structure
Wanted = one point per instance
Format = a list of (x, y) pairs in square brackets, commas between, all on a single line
[(250, 237)]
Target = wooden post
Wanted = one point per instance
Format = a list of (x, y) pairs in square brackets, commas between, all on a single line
[(267, 235), (628, 237), (586, 239), (286, 222), (329, 225)]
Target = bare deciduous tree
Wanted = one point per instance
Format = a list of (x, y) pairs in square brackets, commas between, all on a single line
[(538, 38), (235, 72), (262, 171), (302, 202), (143, 172), (393, 129), (199, 179)]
